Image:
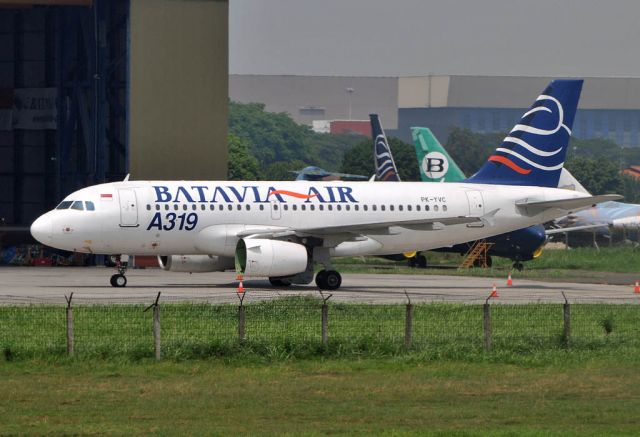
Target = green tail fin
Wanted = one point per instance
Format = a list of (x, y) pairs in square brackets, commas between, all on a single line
[(435, 163)]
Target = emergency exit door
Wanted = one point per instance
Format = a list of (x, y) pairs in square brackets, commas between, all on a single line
[(128, 207)]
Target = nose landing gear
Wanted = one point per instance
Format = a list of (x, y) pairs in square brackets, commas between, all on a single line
[(119, 279)]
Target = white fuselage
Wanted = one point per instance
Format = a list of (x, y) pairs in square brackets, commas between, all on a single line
[(204, 217)]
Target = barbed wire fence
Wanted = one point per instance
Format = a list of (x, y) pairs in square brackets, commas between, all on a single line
[(90, 326)]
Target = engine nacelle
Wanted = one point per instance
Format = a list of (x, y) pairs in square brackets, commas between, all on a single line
[(272, 258), (195, 263)]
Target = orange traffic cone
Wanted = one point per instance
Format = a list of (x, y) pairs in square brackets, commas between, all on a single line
[(509, 280), (240, 287), (494, 291), (636, 289)]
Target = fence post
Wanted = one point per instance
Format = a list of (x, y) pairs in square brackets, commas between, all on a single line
[(241, 318), (156, 326), (566, 333), (487, 324), (408, 323), (325, 319), (70, 343)]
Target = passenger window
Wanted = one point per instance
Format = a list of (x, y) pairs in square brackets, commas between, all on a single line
[(157, 207), (435, 207), (175, 206), (330, 207), (90, 206), (194, 207), (166, 207), (382, 207), (339, 208), (220, 207), (444, 207), (247, 207), (356, 207), (390, 207), (408, 207), (426, 207), (229, 207), (365, 207), (347, 207), (374, 208), (65, 204), (321, 207), (184, 207), (286, 207), (261, 207), (77, 205), (313, 207), (417, 207), (294, 207), (399, 207), (212, 207), (303, 207), (275, 206), (239, 207), (148, 208)]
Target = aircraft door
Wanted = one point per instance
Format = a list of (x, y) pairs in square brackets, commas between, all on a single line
[(276, 210), (476, 203), (128, 207)]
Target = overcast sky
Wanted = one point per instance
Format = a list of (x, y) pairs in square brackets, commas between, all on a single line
[(419, 37)]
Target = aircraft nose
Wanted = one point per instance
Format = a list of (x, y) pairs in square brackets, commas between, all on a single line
[(42, 229)]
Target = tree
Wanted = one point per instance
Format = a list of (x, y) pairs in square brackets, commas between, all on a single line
[(470, 150), (243, 166), (282, 171), (359, 159), (597, 175)]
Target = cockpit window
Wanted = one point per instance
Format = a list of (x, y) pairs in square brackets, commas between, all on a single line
[(65, 204), (90, 206), (77, 205)]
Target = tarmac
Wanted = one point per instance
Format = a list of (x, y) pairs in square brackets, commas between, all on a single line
[(90, 285)]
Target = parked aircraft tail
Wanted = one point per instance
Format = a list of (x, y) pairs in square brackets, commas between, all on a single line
[(534, 151), (385, 166), (435, 163)]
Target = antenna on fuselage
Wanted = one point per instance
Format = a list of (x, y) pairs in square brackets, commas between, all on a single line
[(126, 178)]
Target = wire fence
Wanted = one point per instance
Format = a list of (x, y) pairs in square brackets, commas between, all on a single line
[(301, 326)]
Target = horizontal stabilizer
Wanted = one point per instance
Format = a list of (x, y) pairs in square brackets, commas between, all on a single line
[(575, 228), (572, 204)]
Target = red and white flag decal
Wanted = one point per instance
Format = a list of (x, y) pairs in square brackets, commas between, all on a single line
[(107, 196)]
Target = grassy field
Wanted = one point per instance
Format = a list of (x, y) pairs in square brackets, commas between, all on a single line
[(291, 328), (382, 396), (579, 263)]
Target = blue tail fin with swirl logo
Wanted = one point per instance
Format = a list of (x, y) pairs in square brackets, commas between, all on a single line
[(534, 151), (385, 166)]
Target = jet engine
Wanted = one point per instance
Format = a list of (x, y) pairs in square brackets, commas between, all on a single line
[(195, 263), (272, 258)]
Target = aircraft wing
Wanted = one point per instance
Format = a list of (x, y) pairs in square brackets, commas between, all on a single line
[(379, 228), (575, 228), (536, 206)]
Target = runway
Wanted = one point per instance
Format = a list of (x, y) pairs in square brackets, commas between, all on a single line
[(90, 285)]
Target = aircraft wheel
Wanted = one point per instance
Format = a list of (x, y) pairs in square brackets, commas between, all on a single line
[(412, 262), (421, 261), (118, 280), (279, 282), (321, 280), (518, 266), (333, 280)]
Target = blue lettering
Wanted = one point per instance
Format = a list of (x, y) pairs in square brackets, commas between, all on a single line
[(156, 222), (332, 198), (162, 194), (237, 193), (345, 193), (200, 189), (185, 193), (219, 190), (273, 191)]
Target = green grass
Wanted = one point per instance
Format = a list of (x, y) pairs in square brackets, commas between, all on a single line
[(291, 328), (382, 396), (560, 264)]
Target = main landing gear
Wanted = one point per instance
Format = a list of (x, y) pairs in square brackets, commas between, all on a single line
[(119, 279), (518, 266), (328, 280)]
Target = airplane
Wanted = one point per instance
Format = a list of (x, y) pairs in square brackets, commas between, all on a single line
[(283, 230), (313, 173), (437, 166)]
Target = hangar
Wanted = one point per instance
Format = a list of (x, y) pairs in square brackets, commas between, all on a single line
[(91, 90)]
